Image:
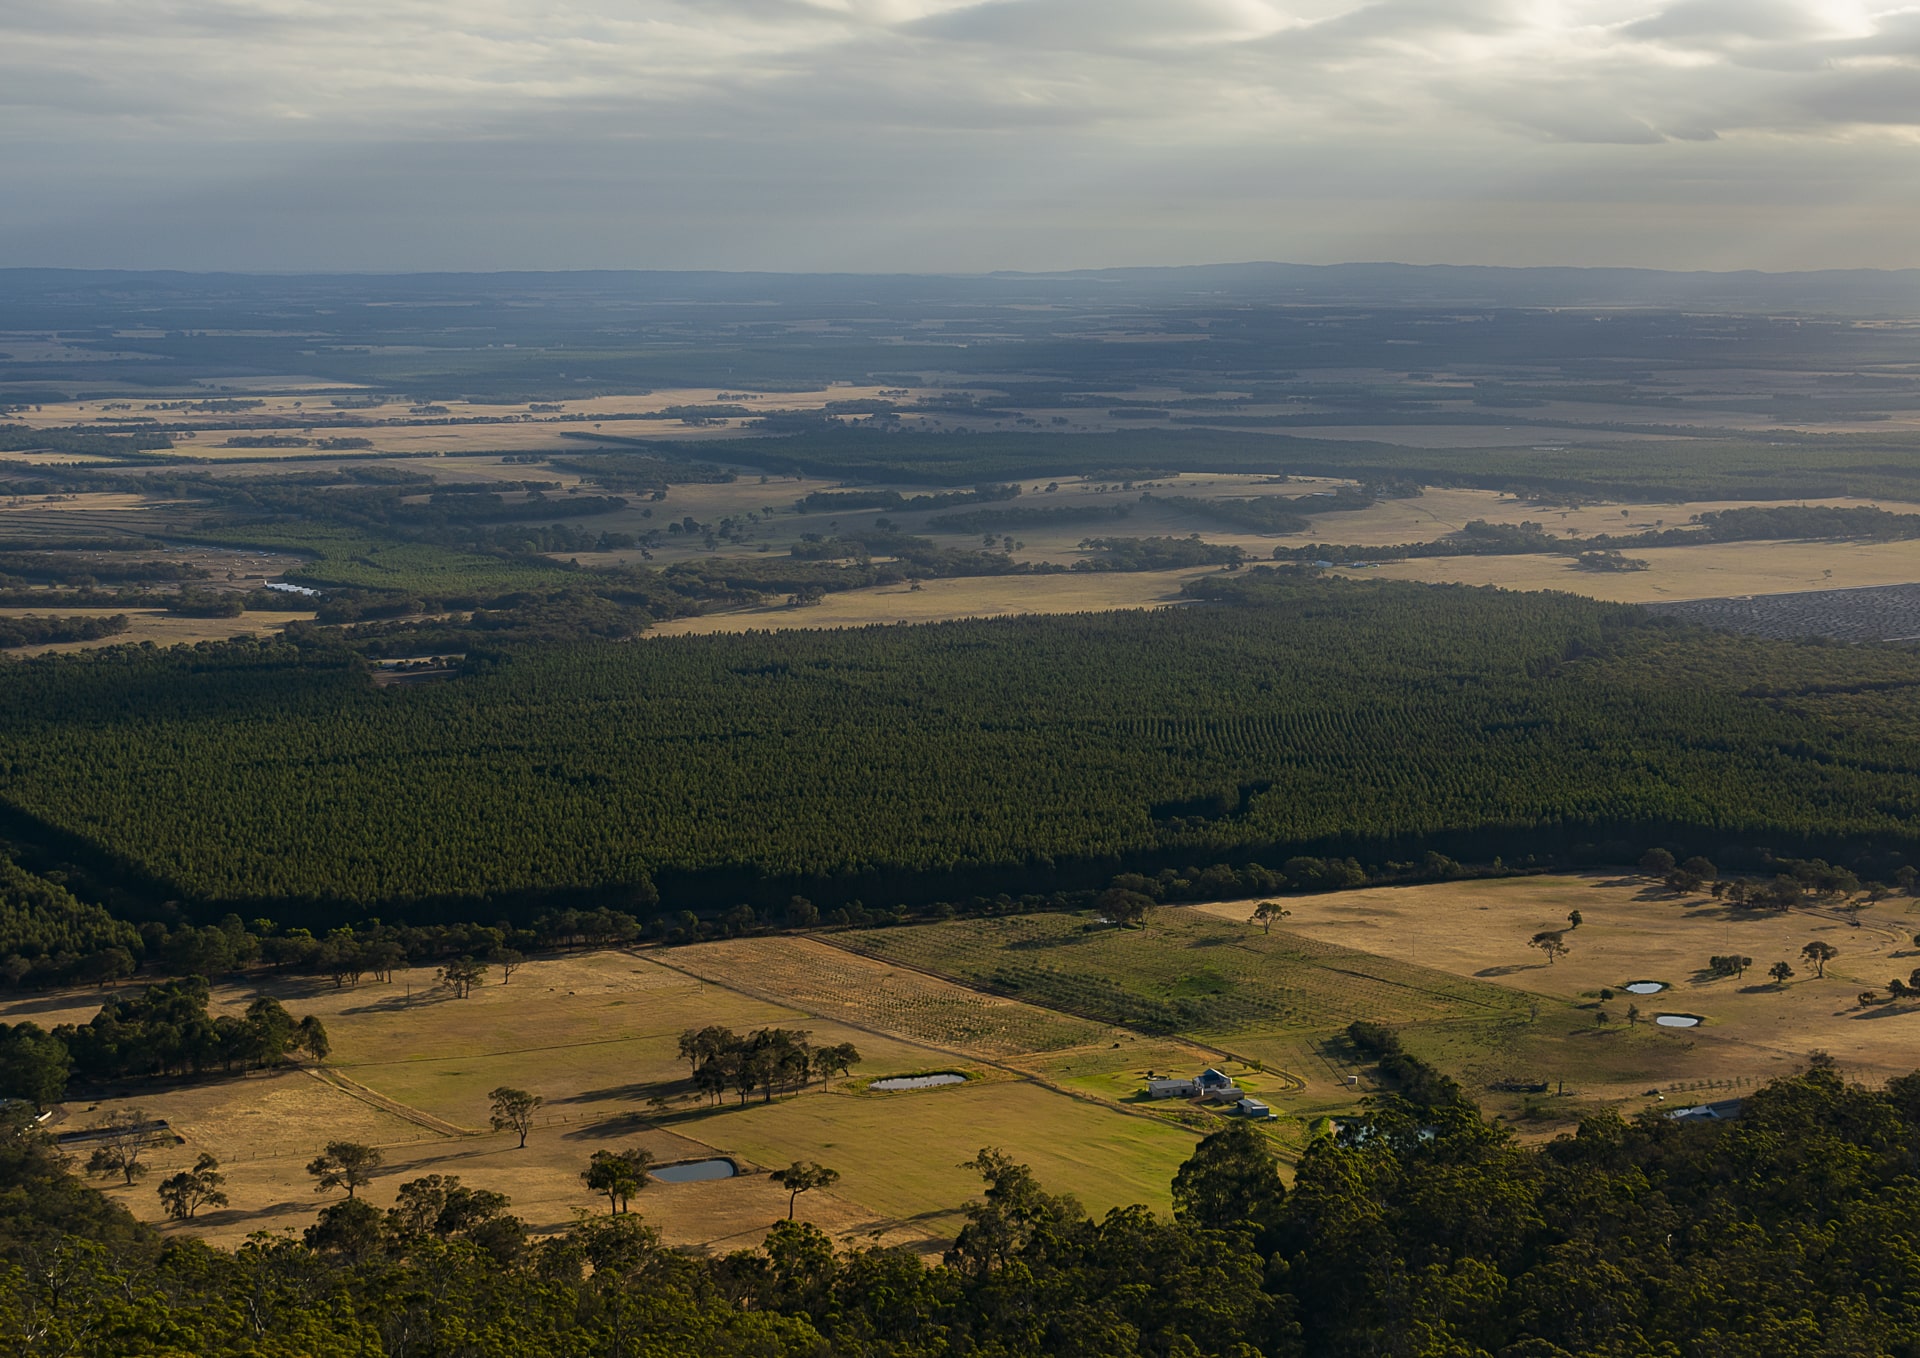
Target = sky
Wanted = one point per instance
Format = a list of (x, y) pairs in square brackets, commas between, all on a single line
[(956, 135)]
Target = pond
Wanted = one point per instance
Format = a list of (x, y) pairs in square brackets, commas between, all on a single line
[(893, 1082), (1644, 987), (1679, 1020), (695, 1171)]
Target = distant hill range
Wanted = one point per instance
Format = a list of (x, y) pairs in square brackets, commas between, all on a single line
[(1858, 292)]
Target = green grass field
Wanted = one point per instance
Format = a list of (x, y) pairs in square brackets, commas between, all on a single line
[(1186, 973)]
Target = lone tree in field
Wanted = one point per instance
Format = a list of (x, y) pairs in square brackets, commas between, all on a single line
[(618, 1174), (187, 1192), (1552, 942), (803, 1176), (1781, 973), (122, 1137), (1265, 913), (1819, 954), (1574, 920), (509, 960), (463, 976), (513, 1110), (344, 1164)]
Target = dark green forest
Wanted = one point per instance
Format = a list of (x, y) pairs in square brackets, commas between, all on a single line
[(1276, 716), (1417, 1230)]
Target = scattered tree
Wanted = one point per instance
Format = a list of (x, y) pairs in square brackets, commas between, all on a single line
[(121, 1138), (1574, 920), (509, 960), (187, 1192), (1780, 972), (835, 1060), (513, 1110), (462, 976), (1265, 913), (1550, 942), (1819, 954), (803, 1176), (344, 1164), (618, 1174), (1656, 862)]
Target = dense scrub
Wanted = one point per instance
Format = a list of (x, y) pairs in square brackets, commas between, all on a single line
[(927, 763), (1416, 1231)]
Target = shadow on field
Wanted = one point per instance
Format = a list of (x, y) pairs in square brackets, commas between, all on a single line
[(399, 1004), (636, 1090), (622, 1124), (1509, 968), (233, 1216)]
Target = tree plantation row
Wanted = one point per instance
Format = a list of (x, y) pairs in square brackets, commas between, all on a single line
[(1281, 718)]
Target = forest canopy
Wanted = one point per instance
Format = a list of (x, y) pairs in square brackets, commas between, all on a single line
[(1284, 716)]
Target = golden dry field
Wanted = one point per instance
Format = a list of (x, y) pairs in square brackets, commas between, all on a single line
[(596, 1035), (1634, 931), (945, 600), (1674, 573)]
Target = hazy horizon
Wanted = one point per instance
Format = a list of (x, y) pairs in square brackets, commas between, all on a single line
[(951, 136)]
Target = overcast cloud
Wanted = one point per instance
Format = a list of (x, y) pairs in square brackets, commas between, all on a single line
[(950, 134)]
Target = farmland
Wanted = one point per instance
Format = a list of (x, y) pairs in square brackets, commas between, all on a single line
[(1634, 930), (596, 1035)]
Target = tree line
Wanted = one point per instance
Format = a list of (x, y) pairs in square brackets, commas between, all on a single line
[(165, 1030)]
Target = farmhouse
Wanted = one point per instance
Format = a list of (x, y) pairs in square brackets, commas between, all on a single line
[(1208, 1084), (1213, 1085)]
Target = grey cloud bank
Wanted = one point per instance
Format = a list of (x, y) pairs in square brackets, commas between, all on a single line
[(938, 134)]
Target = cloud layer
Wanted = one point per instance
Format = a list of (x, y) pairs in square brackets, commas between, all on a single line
[(927, 133)]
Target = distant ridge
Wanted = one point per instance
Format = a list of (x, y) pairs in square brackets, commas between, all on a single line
[(1856, 292)]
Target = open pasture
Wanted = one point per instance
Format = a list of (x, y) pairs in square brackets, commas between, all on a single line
[(1633, 930), (596, 1035), (1190, 974)]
